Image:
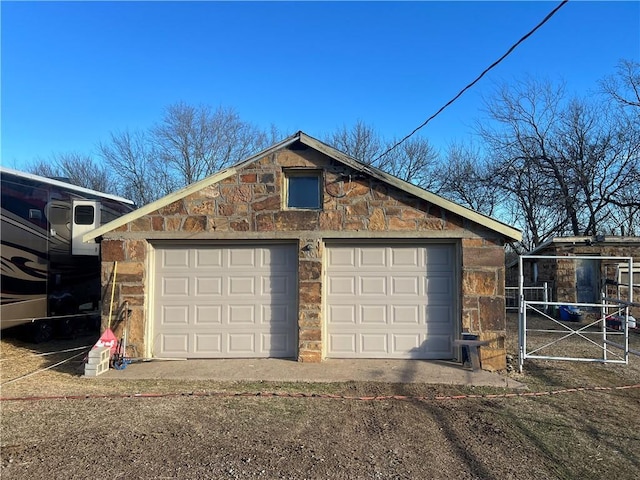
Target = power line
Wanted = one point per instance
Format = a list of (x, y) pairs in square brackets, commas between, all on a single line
[(494, 64)]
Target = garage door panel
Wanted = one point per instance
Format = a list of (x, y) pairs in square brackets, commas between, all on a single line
[(242, 286), (226, 301), (208, 286), (175, 315), (342, 344), (374, 344), (372, 257), (372, 285), (239, 258), (277, 259), (434, 345), (439, 259), (208, 343), (406, 343), (341, 285), (275, 343), (403, 305), (241, 314), (341, 257), (409, 285), (406, 258), (242, 343), (276, 315), (438, 284), (373, 314), (178, 286), (208, 258), (406, 315), (276, 285), (208, 314), (342, 314), (175, 343), (173, 258), (438, 316)]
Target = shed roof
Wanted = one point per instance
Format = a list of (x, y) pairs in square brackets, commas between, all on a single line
[(582, 241), (488, 222)]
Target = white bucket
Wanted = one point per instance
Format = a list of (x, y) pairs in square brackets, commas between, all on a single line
[(631, 322)]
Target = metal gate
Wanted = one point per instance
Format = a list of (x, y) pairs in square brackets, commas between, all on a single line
[(575, 331)]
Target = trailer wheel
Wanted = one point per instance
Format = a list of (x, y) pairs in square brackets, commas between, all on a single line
[(41, 331)]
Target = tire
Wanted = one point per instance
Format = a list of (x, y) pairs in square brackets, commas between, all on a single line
[(41, 331)]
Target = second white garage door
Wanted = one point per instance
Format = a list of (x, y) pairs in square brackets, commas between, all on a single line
[(225, 301), (390, 301)]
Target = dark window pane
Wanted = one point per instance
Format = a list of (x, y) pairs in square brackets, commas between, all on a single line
[(304, 192), (84, 215)]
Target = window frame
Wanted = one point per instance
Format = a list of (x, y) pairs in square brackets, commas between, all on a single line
[(81, 214), (302, 173)]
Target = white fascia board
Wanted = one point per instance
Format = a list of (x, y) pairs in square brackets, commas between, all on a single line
[(158, 204)]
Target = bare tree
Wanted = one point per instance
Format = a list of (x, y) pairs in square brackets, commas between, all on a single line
[(624, 85), (414, 161), (131, 158), (465, 178), (566, 165), (361, 141), (193, 142), (188, 144), (75, 168)]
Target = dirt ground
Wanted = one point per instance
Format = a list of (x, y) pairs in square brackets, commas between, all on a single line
[(203, 430)]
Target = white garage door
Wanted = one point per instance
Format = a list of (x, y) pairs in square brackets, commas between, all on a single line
[(225, 301), (390, 301)]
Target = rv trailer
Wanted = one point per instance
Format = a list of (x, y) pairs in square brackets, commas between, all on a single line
[(50, 278)]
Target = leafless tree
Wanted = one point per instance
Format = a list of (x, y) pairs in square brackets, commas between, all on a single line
[(361, 141), (188, 144), (565, 164), (75, 168), (130, 156), (194, 142), (624, 85), (414, 161), (465, 178)]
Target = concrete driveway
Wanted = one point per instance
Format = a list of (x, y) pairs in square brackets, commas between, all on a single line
[(333, 370)]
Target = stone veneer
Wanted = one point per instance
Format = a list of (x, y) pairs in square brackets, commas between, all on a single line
[(561, 273), (248, 205)]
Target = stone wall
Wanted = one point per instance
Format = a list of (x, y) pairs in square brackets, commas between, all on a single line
[(248, 204), (561, 273), (483, 304)]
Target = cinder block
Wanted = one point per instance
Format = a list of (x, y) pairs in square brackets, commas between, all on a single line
[(93, 370), (98, 355)]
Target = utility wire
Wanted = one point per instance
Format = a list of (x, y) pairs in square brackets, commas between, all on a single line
[(494, 64)]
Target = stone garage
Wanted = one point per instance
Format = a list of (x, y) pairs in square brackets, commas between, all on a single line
[(303, 252)]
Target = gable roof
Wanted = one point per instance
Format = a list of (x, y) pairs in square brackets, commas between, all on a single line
[(488, 222)]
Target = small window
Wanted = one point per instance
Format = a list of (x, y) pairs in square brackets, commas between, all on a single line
[(303, 190), (83, 215), (35, 214)]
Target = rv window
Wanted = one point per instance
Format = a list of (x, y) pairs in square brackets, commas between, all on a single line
[(35, 214), (83, 215)]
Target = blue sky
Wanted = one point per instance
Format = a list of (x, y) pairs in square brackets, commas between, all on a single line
[(73, 72)]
